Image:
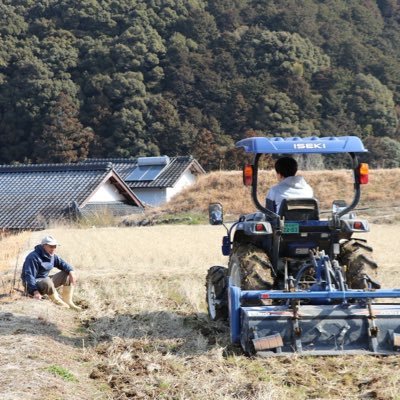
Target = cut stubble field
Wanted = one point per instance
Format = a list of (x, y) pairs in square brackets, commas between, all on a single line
[(144, 332)]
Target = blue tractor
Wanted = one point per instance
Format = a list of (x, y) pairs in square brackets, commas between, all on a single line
[(297, 283)]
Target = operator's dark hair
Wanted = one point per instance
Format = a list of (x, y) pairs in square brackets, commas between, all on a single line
[(286, 166)]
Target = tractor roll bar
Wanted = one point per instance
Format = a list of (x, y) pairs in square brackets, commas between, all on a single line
[(357, 190), (254, 196), (275, 217), (306, 145)]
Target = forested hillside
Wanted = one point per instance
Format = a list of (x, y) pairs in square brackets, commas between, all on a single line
[(96, 78)]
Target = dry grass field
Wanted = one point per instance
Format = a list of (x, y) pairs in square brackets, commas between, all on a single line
[(144, 333)]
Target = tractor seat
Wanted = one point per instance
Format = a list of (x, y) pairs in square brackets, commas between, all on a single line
[(299, 209)]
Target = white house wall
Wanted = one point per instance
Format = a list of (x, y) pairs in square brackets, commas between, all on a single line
[(157, 196), (153, 197), (185, 180), (107, 192)]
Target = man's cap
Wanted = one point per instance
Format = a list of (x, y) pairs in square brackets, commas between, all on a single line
[(49, 240)]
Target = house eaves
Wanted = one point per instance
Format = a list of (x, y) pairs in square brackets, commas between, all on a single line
[(33, 195), (122, 187)]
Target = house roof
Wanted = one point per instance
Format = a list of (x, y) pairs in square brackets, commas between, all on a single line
[(168, 177), (32, 195)]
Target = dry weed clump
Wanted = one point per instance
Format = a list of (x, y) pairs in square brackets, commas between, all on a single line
[(13, 249), (12, 246), (208, 376)]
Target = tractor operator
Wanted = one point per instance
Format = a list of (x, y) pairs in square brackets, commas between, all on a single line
[(289, 186), (292, 186), (36, 279)]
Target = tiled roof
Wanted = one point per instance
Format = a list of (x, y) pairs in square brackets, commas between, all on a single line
[(32, 195), (167, 178)]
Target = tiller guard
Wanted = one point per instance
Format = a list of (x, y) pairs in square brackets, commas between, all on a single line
[(351, 324)]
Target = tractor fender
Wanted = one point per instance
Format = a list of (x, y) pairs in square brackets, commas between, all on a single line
[(257, 232), (251, 228), (354, 225)]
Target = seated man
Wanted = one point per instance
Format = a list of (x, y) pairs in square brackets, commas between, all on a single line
[(289, 186), (36, 279), (354, 254)]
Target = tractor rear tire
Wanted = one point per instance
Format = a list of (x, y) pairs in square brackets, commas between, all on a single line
[(356, 255), (250, 269), (217, 293)]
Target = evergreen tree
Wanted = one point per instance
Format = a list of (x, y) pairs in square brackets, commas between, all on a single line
[(373, 106), (152, 76), (64, 139), (385, 152), (206, 151)]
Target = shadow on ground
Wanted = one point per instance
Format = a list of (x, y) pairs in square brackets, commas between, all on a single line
[(164, 331), (12, 324)]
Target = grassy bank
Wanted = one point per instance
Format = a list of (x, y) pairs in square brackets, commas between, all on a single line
[(379, 199)]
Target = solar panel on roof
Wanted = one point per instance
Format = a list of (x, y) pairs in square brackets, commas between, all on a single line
[(145, 173), (148, 168)]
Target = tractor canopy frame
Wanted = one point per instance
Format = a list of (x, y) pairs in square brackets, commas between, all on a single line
[(307, 145)]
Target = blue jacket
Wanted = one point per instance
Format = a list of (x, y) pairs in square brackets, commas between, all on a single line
[(38, 265)]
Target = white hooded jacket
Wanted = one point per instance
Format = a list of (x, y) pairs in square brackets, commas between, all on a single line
[(292, 187)]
